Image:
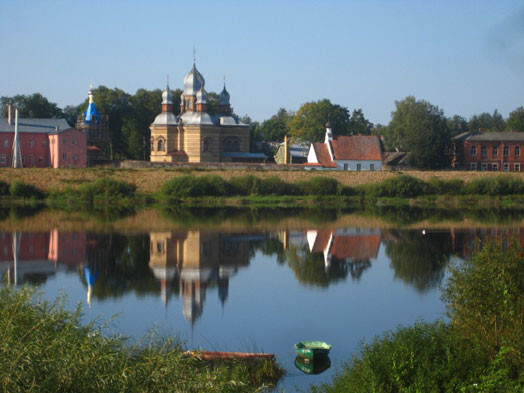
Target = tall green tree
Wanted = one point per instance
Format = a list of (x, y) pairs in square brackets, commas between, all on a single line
[(358, 124), (421, 128), (274, 128), (457, 125), (487, 121), (309, 123), (516, 120), (31, 106)]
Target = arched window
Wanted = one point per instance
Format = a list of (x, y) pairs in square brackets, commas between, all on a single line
[(206, 144), (160, 145), (231, 144)]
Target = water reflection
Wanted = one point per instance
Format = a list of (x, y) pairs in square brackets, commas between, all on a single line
[(186, 264)]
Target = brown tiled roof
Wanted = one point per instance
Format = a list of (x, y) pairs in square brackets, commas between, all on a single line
[(322, 240), (357, 147), (323, 155), (357, 247)]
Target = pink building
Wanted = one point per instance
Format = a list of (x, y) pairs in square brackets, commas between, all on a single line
[(43, 143)]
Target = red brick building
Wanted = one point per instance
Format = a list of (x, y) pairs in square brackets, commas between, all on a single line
[(489, 151)]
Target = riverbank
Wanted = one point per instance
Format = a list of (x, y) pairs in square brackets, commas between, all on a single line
[(45, 348)]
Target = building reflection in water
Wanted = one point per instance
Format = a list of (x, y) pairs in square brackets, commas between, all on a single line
[(197, 260)]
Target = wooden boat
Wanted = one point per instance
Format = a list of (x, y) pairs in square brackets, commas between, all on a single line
[(217, 355), (312, 349), (312, 366)]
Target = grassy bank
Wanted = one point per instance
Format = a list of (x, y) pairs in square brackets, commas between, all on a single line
[(44, 348), (481, 349)]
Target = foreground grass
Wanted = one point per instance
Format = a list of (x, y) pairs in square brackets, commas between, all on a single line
[(45, 348)]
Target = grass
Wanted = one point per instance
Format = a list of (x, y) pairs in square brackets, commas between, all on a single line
[(45, 348)]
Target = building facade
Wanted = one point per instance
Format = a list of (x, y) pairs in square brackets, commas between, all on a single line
[(43, 143), (348, 153), (489, 151), (195, 135)]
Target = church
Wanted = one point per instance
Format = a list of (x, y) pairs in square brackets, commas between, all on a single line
[(195, 135)]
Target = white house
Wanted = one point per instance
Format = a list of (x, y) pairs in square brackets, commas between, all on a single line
[(348, 153)]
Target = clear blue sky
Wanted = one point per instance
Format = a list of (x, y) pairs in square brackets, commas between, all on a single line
[(467, 57)]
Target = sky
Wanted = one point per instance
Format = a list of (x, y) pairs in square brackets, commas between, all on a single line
[(467, 57)]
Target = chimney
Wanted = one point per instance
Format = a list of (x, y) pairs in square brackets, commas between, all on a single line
[(9, 116)]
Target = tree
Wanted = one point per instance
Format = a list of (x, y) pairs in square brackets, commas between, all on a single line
[(274, 128), (358, 124), (421, 129), (309, 123), (516, 120), (31, 106), (487, 121), (457, 125)]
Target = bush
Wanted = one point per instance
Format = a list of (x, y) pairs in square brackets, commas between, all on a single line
[(19, 189), (244, 185), (275, 186), (106, 189), (446, 187), (4, 188), (496, 185), (192, 186), (402, 186), (319, 185)]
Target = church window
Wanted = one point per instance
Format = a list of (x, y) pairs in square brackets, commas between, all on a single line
[(160, 145), (231, 144), (206, 145)]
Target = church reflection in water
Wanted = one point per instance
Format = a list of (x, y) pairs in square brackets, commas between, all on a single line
[(187, 264)]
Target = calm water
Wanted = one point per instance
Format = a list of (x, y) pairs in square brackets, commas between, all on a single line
[(248, 289)]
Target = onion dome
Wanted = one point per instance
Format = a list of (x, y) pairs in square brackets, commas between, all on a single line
[(201, 96), (167, 96), (223, 97), (91, 115), (193, 81)]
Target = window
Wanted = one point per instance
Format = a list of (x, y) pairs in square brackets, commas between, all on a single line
[(516, 167), (473, 150), (506, 151), (205, 145), (6, 142), (64, 156), (506, 167), (75, 156), (517, 151), (73, 141), (231, 144), (359, 167), (494, 167), (483, 151), (495, 151), (160, 247), (371, 167), (473, 166), (484, 167), (345, 167), (31, 143), (31, 160), (40, 159), (2, 159), (160, 145), (64, 141)]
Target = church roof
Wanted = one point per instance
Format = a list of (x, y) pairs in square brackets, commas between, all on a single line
[(193, 81), (165, 118), (357, 147)]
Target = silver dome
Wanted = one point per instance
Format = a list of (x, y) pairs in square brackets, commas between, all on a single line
[(165, 119), (201, 96), (193, 81), (167, 96), (223, 97)]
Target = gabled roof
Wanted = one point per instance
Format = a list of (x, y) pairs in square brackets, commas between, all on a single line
[(356, 147), (324, 159), (357, 247), (513, 136), (34, 125)]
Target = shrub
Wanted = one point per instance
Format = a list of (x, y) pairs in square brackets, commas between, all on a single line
[(402, 186), (275, 186), (4, 188), (244, 185), (443, 187), (191, 186), (319, 185), (19, 189), (496, 185)]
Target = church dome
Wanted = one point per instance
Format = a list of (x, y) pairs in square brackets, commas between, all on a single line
[(223, 97), (193, 81), (201, 96), (167, 96)]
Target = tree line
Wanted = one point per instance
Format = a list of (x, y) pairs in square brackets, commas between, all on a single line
[(416, 126)]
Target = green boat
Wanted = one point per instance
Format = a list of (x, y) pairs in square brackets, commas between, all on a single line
[(312, 367), (312, 349)]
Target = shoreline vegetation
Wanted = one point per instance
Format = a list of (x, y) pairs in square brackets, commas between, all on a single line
[(46, 348)]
